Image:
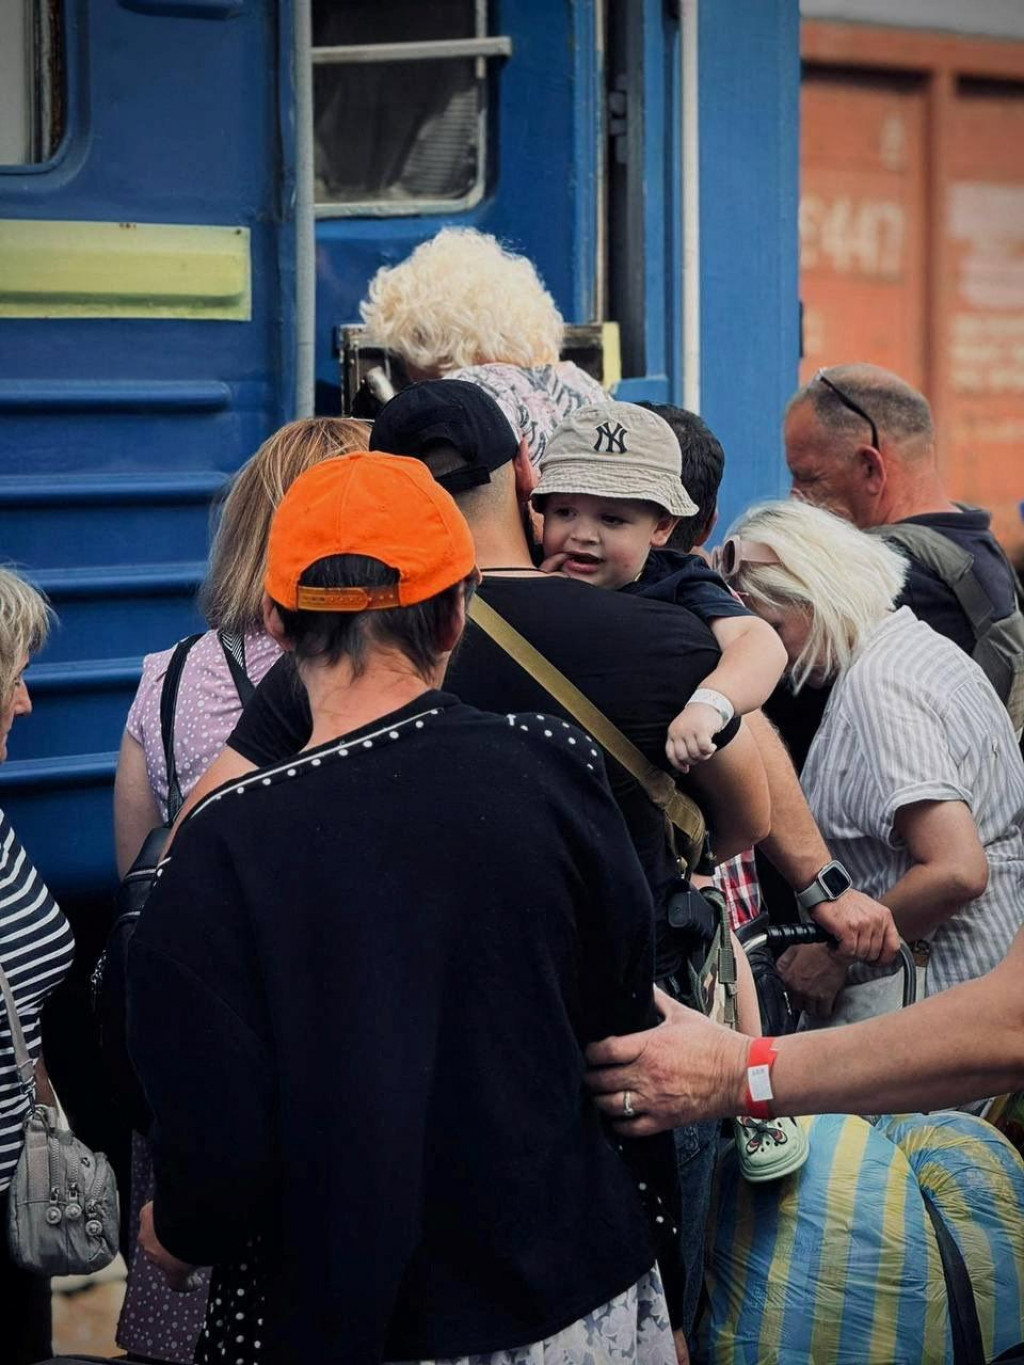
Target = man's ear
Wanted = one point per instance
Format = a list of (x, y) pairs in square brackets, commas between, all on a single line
[(273, 624), (666, 525), (871, 465), (525, 471)]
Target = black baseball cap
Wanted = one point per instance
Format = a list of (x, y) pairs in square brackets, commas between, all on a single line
[(450, 412)]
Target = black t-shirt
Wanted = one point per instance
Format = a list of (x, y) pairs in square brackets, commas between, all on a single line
[(688, 581), (383, 960), (637, 661)]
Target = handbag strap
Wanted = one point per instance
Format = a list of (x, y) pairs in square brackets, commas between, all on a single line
[(232, 642), (25, 1065), (168, 702), (680, 810), (968, 1343)]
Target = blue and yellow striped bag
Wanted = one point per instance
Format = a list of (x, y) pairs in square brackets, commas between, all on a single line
[(838, 1264)]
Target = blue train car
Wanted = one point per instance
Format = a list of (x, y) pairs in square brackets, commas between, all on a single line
[(193, 196)]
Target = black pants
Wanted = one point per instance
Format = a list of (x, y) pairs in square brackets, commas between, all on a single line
[(26, 1298)]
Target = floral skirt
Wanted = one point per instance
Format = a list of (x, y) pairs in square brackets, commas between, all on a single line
[(631, 1329)]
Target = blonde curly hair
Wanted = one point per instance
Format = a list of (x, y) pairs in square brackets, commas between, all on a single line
[(462, 299)]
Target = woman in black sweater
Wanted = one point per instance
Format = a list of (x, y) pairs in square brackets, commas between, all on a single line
[(360, 992)]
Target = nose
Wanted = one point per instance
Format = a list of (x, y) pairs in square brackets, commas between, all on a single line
[(22, 700), (583, 532)]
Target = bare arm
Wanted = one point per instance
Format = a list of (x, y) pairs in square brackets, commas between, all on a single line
[(226, 767), (950, 867), (135, 808), (957, 1046), (751, 664), (753, 660), (733, 794)]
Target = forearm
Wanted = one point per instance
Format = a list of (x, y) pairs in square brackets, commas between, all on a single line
[(746, 674), (794, 843), (751, 665), (924, 898), (958, 1046)]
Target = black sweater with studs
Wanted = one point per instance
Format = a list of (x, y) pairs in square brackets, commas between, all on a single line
[(358, 1002)]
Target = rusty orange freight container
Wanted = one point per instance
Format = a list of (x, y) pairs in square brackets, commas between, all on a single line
[(912, 235)]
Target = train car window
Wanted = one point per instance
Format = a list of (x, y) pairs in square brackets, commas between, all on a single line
[(31, 81), (400, 104)]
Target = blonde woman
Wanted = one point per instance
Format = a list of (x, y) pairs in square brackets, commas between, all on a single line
[(462, 306), (36, 949), (208, 701), (914, 777), (155, 1323)]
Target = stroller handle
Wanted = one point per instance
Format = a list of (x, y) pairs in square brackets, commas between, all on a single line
[(778, 937)]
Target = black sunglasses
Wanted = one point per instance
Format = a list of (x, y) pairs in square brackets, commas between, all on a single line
[(848, 402)]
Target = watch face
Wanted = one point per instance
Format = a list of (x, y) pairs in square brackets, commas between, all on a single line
[(835, 881)]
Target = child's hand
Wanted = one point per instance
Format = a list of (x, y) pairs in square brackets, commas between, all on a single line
[(691, 736), (554, 562)]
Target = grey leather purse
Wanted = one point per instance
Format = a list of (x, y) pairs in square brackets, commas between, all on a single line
[(62, 1214)]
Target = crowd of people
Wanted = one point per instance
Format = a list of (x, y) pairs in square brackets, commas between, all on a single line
[(413, 1092)]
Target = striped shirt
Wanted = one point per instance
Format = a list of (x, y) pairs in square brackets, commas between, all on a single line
[(36, 948), (915, 719)]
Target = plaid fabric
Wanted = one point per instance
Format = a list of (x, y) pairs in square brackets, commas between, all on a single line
[(737, 881)]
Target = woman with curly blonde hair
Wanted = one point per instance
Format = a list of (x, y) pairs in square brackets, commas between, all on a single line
[(462, 306)]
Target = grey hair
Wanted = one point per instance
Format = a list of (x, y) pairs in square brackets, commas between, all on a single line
[(899, 410), (25, 620), (846, 580)]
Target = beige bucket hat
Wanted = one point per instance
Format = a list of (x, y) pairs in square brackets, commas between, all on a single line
[(616, 450)]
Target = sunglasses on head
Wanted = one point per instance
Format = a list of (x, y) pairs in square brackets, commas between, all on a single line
[(850, 405), (735, 552)]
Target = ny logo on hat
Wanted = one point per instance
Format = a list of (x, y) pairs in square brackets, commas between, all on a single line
[(614, 442)]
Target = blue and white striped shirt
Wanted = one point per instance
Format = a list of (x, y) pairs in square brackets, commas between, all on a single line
[(915, 719), (36, 949)]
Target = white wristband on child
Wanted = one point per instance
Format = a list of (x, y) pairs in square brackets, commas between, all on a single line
[(709, 697)]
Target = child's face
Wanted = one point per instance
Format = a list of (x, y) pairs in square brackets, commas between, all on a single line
[(606, 540)]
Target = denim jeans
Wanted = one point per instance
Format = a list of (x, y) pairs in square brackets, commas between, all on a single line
[(696, 1155)]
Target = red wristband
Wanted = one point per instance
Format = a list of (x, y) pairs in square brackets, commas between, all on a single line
[(760, 1060)]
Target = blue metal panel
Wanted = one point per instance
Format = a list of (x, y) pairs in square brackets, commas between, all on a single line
[(118, 431), (541, 198), (749, 125)]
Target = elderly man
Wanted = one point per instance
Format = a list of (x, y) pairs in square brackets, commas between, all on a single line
[(860, 441)]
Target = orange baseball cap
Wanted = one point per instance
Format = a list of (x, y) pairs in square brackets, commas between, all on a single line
[(387, 507)]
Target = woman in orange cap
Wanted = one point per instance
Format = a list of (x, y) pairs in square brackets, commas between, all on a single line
[(384, 959)]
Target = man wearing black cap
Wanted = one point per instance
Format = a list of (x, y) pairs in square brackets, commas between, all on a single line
[(632, 657)]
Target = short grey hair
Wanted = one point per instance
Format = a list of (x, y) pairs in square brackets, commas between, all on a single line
[(845, 579), (899, 410), (25, 620)]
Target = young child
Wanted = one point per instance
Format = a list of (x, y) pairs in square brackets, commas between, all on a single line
[(611, 496), (617, 513)]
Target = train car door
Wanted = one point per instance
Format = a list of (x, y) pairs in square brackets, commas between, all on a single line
[(147, 328)]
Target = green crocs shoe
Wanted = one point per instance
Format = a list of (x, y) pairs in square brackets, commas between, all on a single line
[(768, 1149)]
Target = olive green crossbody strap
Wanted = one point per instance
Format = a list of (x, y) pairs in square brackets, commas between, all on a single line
[(682, 813)]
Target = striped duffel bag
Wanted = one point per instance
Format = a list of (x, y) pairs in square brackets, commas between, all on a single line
[(900, 1242)]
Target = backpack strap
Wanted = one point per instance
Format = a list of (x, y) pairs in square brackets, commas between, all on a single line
[(680, 810), (232, 642), (168, 702), (952, 564)]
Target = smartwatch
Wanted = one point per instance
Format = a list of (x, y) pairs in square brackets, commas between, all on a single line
[(830, 883)]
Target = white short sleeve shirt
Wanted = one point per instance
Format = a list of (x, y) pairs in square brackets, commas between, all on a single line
[(915, 719)]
